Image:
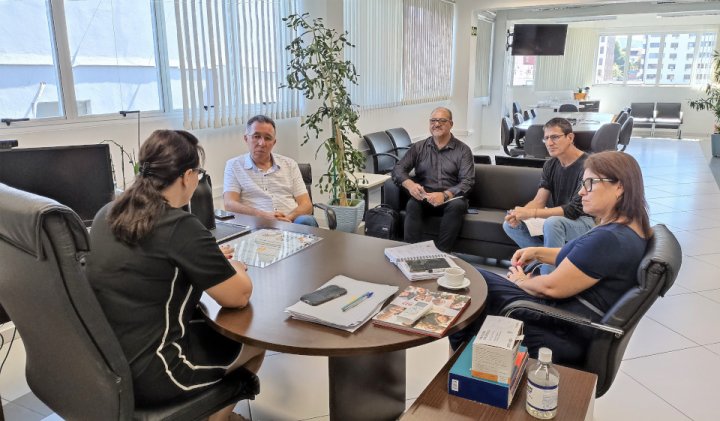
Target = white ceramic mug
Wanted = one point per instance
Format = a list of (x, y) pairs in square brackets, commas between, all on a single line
[(454, 277)]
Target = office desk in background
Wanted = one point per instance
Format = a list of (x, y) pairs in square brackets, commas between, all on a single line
[(366, 368), (585, 127)]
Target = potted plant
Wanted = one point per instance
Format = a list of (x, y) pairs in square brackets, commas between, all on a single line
[(712, 103), (580, 95), (318, 69)]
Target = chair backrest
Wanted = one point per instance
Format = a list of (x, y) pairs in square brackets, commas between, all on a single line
[(527, 115), (306, 172), (482, 159), (516, 108), (515, 161), (667, 110), (382, 150), (642, 109), (533, 114), (534, 146), (75, 364), (622, 117), (625, 133), (567, 108), (655, 275), (518, 119), (605, 138), (401, 139), (506, 132)]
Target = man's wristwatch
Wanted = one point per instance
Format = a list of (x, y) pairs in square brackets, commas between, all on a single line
[(445, 196)]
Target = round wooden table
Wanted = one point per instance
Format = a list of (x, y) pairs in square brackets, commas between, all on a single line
[(367, 367)]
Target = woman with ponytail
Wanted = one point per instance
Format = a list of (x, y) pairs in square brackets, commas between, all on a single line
[(149, 264)]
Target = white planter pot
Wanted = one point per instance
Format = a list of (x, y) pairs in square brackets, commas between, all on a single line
[(349, 217), (715, 144)]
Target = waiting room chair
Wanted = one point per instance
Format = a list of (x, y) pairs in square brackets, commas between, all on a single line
[(568, 108), (330, 216), (401, 139), (75, 364), (382, 151), (506, 137), (534, 146), (516, 161), (625, 133), (606, 138), (644, 114), (604, 351), (668, 115), (527, 115)]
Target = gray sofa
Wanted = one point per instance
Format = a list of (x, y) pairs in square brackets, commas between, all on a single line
[(497, 188)]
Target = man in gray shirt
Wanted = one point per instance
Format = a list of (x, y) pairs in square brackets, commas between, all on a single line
[(444, 170)]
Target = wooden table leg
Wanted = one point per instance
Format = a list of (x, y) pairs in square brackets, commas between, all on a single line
[(367, 387)]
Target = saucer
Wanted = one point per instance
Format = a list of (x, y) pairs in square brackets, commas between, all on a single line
[(441, 281)]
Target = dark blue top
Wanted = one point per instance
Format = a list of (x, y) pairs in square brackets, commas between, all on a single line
[(610, 253)]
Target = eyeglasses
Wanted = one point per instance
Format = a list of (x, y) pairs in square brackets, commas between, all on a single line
[(201, 173), (438, 120), (552, 138), (588, 182)]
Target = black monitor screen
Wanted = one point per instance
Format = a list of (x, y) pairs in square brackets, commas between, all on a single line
[(539, 40), (79, 177)]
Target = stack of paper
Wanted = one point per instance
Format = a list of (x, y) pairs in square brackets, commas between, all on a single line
[(495, 348), (420, 261), (331, 314)]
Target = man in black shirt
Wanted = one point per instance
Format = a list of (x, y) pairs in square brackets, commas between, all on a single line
[(557, 198), (444, 170)]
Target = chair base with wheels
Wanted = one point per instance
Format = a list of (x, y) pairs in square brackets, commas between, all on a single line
[(655, 275), (75, 364)]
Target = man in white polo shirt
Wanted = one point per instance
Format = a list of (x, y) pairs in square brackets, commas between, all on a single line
[(265, 184)]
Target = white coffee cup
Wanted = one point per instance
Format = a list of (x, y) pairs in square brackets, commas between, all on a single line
[(454, 277)]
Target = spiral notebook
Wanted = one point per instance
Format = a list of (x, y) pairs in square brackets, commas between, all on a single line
[(429, 262)]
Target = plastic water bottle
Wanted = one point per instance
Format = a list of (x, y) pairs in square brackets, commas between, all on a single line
[(542, 387)]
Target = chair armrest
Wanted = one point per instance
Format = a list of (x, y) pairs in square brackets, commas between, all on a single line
[(387, 154), (681, 117), (329, 214), (403, 147), (556, 313)]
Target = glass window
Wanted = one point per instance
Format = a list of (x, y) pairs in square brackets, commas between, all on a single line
[(612, 68), (112, 51), (636, 62), (28, 70)]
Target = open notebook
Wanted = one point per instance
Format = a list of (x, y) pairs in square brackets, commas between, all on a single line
[(420, 261)]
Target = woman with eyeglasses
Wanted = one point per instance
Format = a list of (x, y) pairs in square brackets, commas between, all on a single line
[(593, 270), (150, 262)]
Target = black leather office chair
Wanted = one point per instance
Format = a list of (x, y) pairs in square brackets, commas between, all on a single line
[(382, 151), (568, 108), (603, 354), (625, 133), (330, 217), (75, 364), (606, 138), (518, 133), (516, 108), (506, 137), (534, 146), (401, 139), (622, 117)]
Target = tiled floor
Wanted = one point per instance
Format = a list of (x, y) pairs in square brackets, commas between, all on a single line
[(670, 369)]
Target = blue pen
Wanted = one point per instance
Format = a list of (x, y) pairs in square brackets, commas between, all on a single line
[(357, 301)]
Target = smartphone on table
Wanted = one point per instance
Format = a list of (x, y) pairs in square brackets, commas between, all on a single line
[(323, 295), (223, 215)]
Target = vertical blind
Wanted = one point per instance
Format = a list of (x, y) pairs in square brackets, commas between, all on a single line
[(232, 61), (403, 50), (574, 69)]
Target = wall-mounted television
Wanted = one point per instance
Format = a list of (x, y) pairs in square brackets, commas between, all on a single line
[(79, 177), (539, 40)]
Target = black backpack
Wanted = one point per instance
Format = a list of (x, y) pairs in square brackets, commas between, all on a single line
[(382, 221)]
